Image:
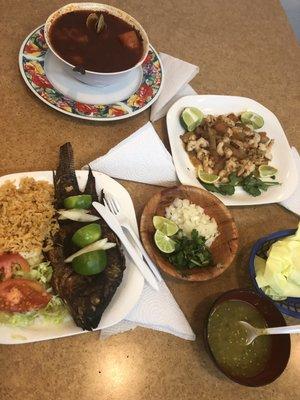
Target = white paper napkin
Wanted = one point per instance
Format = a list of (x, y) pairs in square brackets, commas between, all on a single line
[(142, 157), (293, 202), (156, 310), (177, 75)]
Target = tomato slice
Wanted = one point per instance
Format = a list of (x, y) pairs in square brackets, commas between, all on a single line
[(8, 260), (21, 295)]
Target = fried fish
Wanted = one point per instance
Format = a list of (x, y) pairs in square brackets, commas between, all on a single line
[(86, 296)]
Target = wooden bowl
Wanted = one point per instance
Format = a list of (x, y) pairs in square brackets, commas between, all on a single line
[(224, 247), (280, 344)]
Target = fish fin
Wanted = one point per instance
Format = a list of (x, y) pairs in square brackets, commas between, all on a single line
[(65, 178), (90, 187)]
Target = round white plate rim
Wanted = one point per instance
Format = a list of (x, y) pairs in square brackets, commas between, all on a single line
[(128, 115), (136, 282), (183, 175)]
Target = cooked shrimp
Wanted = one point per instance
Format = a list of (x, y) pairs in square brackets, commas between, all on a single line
[(223, 144)]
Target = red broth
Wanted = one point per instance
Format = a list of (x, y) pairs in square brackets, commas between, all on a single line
[(118, 47)]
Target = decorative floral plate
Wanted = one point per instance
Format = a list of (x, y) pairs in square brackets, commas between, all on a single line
[(31, 63)]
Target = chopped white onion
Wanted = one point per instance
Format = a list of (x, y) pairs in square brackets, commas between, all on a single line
[(189, 216), (79, 215), (102, 244)]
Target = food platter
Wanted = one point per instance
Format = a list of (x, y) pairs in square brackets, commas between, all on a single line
[(216, 105), (127, 293)]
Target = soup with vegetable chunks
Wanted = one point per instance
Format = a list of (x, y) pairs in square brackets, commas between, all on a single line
[(96, 41)]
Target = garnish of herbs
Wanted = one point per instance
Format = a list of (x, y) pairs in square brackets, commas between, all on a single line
[(251, 184)]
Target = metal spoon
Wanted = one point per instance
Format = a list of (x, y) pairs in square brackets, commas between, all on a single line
[(253, 333)]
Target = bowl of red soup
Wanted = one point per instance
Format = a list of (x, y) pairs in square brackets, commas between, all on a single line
[(98, 43)]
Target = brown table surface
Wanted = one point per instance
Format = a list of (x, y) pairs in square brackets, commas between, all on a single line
[(244, 48)]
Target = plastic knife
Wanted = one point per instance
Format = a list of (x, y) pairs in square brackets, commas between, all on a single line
[(115, 226)]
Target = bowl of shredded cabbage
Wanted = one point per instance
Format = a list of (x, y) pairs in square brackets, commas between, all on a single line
[(275, 269)]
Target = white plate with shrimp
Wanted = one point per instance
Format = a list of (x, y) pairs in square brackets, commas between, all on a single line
[(217, 105), (127, 294)]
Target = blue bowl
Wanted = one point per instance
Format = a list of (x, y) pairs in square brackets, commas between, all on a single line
[(291, 305)]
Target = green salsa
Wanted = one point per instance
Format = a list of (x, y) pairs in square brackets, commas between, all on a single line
[(227, 339)]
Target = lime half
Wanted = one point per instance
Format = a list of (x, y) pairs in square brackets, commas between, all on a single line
[(163, 242), (165, 225), (266, 171), (79, 201), (190, 118), (207, 178), (91, 263), (251, 118), (86, 235)]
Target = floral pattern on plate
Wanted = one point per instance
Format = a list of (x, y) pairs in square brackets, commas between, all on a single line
[(32, 55)]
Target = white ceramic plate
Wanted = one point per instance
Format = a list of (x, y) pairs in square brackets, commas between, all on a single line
[(127, 294), (216, 105)]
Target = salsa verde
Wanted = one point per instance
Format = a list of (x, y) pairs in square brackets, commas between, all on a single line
[(227, 339)]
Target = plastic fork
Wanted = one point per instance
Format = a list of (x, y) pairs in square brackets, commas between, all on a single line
[(115, 208)]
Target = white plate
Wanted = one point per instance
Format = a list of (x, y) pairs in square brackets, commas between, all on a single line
[(127, 294), (216, 105)]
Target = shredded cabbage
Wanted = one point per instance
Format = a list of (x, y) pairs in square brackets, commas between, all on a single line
[(55, 311), (41, 273), (279, 275), (17, 319)]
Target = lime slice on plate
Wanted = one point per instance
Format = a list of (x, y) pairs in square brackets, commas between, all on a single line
[(251, 118), (266, 171), (86, 235), (190, 118), (79, 201), (165, 225), (91, 263), (207, 178), (163, 242)]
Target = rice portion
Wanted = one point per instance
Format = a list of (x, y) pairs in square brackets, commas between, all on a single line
[(27, 220), (189, 216)]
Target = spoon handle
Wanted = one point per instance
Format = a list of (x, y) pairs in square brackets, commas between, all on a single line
[(282, 330)]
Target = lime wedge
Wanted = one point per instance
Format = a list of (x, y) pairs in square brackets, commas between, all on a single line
[(207, 178), (86, 235), (79, 201), (165, 225), (251, 118), (91, 263), (163, 242), (190, 118), (266, 171)]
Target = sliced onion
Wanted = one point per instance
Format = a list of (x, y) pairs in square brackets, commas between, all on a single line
[(102, 244), (78, 215)]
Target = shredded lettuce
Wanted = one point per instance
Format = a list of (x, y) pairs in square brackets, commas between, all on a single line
[(17, 319), (41, 273), (33, 257), (55, 311)]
